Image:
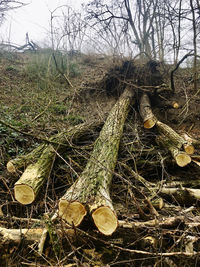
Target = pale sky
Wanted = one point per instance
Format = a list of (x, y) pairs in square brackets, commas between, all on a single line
[(33, 18)]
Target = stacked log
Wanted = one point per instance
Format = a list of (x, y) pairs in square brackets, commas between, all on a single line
[(168, 138)]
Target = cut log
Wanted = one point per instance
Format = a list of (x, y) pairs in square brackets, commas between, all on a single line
[(175, 105), (29, 184), (177, 140), (146, 113), (23, 160), (189, 148), (34, 176), (182, 158), (92, 187), (170, 139), (62, 139)]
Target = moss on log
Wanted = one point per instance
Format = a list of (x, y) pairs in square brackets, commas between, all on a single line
[(146, 113), (29, 184), (62, 139), (92, 187), (22, 161)]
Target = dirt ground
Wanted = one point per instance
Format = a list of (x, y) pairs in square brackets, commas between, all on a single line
[(30, 113)]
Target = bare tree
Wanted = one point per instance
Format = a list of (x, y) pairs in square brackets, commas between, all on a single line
[(194, 26), (150, 27), (67, 28), (6, 5), (137, 16)]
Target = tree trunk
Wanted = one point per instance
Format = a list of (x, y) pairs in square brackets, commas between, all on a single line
[(176, 140), (22, 161), (92, 187), (29, 184), (62, 139), (146, 113), (182, 159), (194, 24)]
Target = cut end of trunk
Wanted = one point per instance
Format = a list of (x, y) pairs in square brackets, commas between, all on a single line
[(11, 167), (183, 159), (24, 194), (150, 123), (71, 212), (105, 220), (175, 105), (189, 149)]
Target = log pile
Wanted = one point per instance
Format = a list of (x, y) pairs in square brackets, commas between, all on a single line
[(88, 200)]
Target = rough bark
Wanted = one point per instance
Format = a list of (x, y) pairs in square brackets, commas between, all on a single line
[(62, 139), (175, 139), (23, 160), (29, 184), (190, 143), (92, 187), (146, 113), (182, 158)]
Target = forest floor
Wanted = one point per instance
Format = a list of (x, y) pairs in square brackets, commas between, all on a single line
[(35, 106)]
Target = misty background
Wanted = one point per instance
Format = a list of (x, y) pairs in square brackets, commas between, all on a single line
[(163, 30)]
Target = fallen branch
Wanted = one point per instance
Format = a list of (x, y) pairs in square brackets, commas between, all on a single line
[(171, 222), (158, 254), (29, 235), (183, 195)]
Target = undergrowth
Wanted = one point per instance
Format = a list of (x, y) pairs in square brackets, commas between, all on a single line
[(36, 99)]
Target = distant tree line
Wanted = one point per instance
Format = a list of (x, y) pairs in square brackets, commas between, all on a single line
[(158, 29)]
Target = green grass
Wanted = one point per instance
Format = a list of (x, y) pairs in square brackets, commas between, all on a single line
[(46, 66), (32, 94)]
